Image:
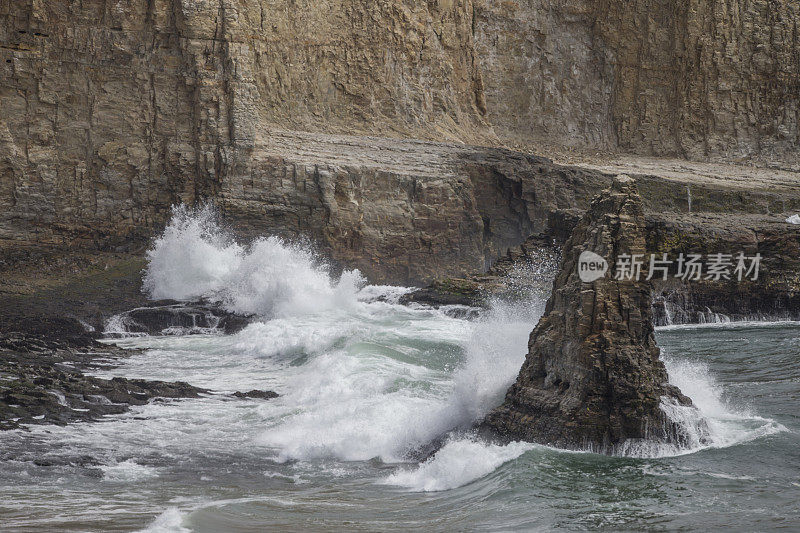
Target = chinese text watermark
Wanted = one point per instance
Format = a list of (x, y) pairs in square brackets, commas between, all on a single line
[(689, 267)]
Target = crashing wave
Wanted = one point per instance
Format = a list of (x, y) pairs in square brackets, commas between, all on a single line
[(195, 258)]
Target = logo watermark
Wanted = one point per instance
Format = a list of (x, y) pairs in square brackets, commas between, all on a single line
[(689, 267), (591, 266)]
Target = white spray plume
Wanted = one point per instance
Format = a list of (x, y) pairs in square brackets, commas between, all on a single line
[(195, 258)]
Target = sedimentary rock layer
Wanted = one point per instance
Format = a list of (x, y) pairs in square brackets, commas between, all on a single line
[(690, 78), (592, 377), (111, 113)]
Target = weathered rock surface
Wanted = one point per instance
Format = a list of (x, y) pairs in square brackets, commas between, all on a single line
[(256, 394), (35, 390), (775, 294), (113, 113), (42, 360), (694, 79), (177, 318), (592, 377), (525, 271)]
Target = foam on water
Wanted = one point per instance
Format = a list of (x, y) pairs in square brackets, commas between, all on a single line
[(127, 471), (457, 463), (360, 401), (360, 376), (710, 423), (360, 384), (194, 258), (726, 424), (170, 521)]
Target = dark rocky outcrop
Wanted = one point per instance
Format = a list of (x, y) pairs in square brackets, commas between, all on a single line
[(774, 295), (592, 377), (257, 394), (169, 317), (33, 391), (42, 379), (523, 271)]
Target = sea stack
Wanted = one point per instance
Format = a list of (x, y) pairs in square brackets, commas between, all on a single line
[(592, 378)]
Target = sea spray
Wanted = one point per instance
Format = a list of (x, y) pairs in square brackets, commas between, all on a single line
[(458, 462), (365, 377), (726, 424), (192, 258), (378, 390), (494, 354), (197, 446), (170, 521), (711, 423), (195, 258)]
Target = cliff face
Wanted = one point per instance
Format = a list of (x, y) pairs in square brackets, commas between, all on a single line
[(545, 78), (695, 79), (112, 112)]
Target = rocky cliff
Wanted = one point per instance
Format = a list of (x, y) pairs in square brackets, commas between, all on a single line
[(592, 378), (113, 112), (696, 79)]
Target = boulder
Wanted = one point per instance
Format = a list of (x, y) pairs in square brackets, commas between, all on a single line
[(256, 394)]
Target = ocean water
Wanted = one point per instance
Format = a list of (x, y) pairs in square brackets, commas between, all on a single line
[(366, 382)]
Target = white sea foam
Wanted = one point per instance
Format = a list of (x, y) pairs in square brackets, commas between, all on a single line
[(388, 293), (360, 376), (710, 423), (195, 258), (495, 353), (127, 471), (361, 401), (457, 463), (170, 521)]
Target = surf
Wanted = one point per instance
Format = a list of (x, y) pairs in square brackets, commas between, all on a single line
[(362, 377)]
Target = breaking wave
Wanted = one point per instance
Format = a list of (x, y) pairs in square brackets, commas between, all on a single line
[(195, 258), (363, 377)]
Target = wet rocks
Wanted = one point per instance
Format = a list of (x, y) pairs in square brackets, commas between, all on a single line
[(168, 317), (592, 377), (523, 271), (257, 394), (42, 380), (774, 295), (451, 291), (32, 392)]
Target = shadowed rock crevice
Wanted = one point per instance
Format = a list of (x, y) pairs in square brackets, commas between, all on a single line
[(592, 378)]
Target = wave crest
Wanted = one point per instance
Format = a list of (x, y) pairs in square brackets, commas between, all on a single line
[(195, 258)]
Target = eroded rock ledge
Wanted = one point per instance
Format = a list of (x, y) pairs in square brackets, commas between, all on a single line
[(43, 376), (592, 377)]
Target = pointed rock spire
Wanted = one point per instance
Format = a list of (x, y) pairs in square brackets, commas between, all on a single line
[(592, 378)]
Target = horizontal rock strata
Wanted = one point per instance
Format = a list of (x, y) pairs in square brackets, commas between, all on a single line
[(112, 115)]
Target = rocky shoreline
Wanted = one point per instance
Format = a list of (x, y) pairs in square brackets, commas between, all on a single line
[(775, 296), (44, 376), (55, 299)]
